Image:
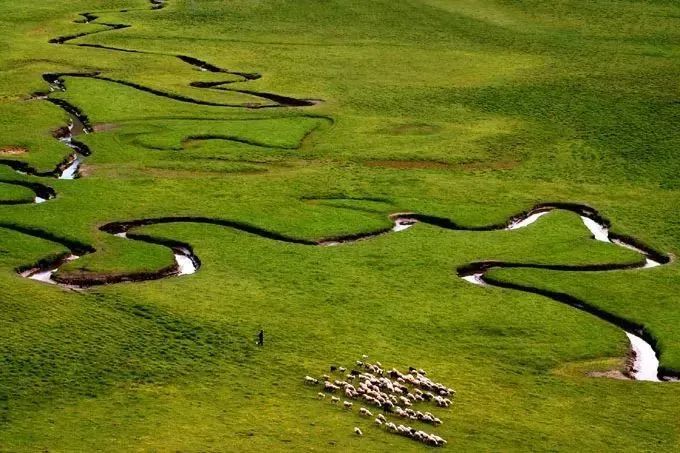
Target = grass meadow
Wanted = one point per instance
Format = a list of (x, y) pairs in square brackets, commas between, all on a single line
[(472, 111)]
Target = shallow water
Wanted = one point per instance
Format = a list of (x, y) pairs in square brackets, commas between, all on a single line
[(403, 224), (71, 171), (601, 232), (646, 365), (44, 276), (475, 279), (522, 222), (185, 264), (650, 263)]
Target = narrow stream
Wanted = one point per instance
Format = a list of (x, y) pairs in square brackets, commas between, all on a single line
[(646, 363)]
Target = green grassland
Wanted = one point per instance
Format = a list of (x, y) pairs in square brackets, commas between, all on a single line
[(472, 111)]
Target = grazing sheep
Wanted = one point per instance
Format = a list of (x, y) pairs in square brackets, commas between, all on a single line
[(311, 380), (342, 369), (381, 417), (364, 356), (326, 377), (320, 395), (347, 404), (350, 377), (328, 387), (357, 431), (335, 400), (366, 412)]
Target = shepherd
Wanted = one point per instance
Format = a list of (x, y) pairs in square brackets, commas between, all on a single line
[(260, 338)]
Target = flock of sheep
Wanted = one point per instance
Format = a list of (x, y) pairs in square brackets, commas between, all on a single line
[(392, 391)]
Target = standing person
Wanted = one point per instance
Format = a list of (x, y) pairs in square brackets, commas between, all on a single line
[(260, 338)]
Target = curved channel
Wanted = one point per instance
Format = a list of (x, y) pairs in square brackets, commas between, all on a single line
[(644, 349), (41, 192), (186, 262), (79, 123)]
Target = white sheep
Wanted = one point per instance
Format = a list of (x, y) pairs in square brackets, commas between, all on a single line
[(311, 380), (330, 387), (357, 431), (347, 404), (366, 412), (378, 422), (335, 399), (320, 395)]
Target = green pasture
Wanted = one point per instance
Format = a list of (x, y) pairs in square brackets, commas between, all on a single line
[(472, 111)]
